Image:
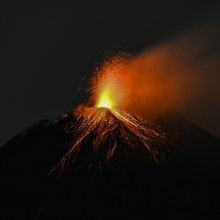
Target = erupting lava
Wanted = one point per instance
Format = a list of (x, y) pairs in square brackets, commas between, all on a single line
[(110, 128), (105, 100)]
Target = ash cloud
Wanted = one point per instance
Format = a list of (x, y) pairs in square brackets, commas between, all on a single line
[(182, 74)]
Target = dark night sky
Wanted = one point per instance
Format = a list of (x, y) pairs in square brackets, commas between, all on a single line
[(47, 52)]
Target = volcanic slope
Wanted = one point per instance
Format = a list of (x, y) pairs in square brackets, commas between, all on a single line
[(185, 185)]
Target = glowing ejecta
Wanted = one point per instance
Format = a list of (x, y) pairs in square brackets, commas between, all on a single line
[(108, 84), (105, 100), (110, 126)]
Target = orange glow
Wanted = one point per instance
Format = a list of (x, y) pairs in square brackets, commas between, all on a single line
[(110, 125), (106, 99), (108, 89)]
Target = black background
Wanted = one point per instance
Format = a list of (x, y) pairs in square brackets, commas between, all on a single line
[(49, 52)]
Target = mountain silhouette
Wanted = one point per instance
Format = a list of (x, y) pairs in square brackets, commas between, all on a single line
[(185, 185)]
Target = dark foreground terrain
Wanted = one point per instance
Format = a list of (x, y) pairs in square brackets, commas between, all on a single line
[(184, 186)]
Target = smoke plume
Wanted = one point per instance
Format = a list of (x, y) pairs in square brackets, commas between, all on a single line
[(181, 73)]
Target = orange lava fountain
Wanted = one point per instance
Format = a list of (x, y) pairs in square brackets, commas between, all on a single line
[(108, 124)]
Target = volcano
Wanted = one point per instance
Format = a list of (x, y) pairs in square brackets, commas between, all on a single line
[(184, 185), (109, 131)]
